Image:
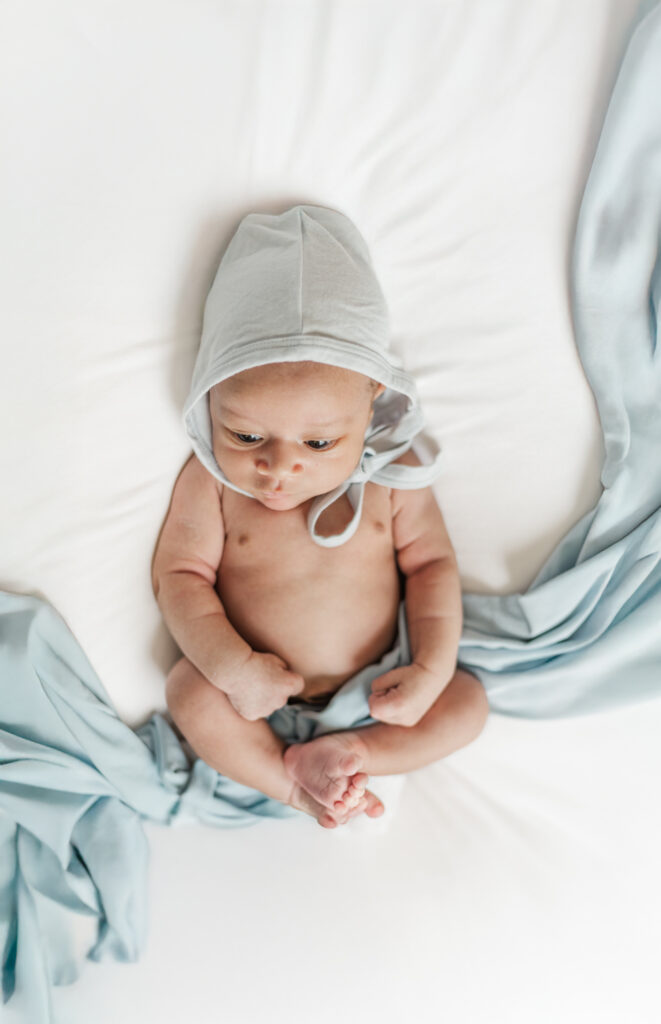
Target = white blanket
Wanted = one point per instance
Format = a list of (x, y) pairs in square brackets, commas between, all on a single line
[(517, 880)]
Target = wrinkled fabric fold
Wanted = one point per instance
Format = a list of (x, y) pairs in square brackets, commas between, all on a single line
[(586, 635), (76, 784)]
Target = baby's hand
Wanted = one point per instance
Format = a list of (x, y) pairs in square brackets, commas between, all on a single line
[(404, 695), (263, 685)]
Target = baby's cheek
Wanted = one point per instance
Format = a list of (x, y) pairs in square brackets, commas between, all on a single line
[(343, 468), (356, 455), (226, 459)]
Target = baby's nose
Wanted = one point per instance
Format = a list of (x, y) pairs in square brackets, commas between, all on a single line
[(279, 460)]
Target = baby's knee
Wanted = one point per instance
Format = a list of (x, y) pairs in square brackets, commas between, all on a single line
[(475, 698)]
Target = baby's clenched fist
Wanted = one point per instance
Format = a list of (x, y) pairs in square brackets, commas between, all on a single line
[(263, 684), (404, 695)]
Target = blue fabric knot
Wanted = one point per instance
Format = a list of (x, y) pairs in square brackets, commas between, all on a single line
[(366, 467)]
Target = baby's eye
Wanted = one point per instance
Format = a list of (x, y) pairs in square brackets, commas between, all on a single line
[(320, 446), (246, 438)]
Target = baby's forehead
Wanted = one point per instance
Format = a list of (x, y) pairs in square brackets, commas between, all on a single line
[(296, 378), (290, 401)]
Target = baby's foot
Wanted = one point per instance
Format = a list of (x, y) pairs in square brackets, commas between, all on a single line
[(302, 801), (329, 768)]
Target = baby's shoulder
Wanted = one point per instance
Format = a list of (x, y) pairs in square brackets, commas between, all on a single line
[(413, 505), (196, 484), (409, 458)]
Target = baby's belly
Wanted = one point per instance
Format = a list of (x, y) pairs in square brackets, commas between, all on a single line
[(326, 612), (326, 634)]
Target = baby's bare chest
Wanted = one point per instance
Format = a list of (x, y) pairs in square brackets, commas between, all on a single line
[(277, 544)]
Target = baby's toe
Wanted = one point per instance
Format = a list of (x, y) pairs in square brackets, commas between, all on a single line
[(355, 791), (349, 764), (373, 806), (358, 782)]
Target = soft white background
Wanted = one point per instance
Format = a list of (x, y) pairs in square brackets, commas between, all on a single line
[(516, 881)]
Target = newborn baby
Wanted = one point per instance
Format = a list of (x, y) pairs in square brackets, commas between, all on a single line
[(296, 524)]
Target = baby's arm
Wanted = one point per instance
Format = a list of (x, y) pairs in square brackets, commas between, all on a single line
[(184, 573), (433, 608)]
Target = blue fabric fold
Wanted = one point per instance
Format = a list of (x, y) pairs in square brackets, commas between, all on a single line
[(586, 635), (76, 783)]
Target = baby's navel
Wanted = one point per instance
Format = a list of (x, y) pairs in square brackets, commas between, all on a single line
[(379, 526), (243, 538)]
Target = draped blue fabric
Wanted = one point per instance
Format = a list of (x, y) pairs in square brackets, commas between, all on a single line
[(76, 782), (586, 635)]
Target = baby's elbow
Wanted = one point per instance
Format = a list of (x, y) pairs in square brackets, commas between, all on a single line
[(180, 581), (156, 578), (162, 578)]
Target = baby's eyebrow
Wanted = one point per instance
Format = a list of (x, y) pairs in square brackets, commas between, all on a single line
[(240, 415), (331, 423), (226, 411)]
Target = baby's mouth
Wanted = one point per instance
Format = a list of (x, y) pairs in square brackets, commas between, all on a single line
[(275, 495), (281, 499)]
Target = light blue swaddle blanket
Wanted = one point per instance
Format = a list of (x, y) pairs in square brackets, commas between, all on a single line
[(75, 781), (586, 635)]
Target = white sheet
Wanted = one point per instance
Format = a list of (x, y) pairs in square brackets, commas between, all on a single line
[(516, 880)]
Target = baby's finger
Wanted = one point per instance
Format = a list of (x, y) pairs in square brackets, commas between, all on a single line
[(388, 681), (393, 693), (297, 683), (383, 708)]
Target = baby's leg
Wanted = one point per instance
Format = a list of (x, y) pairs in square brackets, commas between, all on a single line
[(248, 752), (455, 719)]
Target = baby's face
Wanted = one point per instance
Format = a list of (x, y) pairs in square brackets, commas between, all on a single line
[(287, 432)]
